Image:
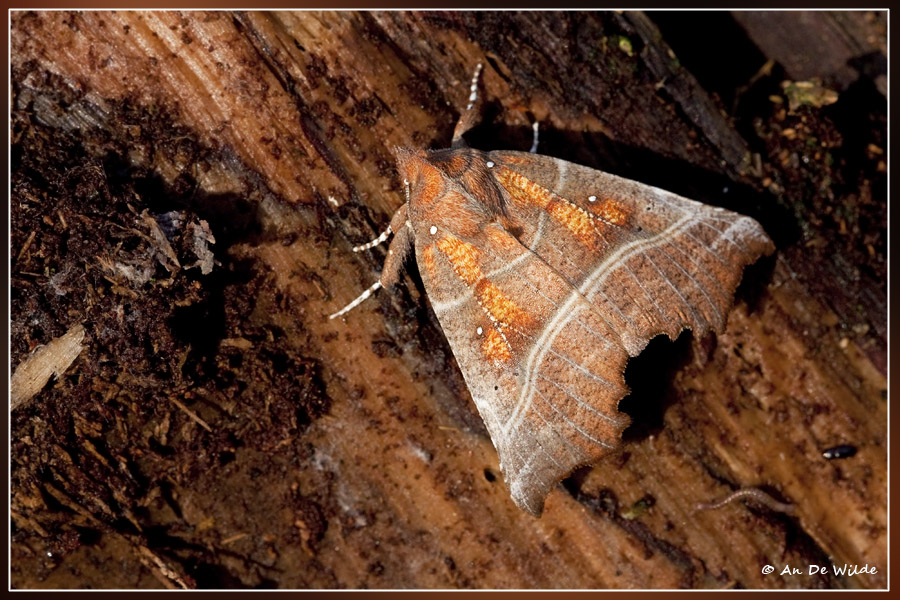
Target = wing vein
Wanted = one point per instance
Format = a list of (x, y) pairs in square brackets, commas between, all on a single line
[(689, 305), (578, 399), (697, 284), (572, 424)]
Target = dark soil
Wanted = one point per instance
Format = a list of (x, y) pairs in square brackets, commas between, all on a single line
[(167, 395)]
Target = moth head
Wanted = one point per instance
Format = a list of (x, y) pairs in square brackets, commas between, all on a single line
[(417, 172), (409, 161)]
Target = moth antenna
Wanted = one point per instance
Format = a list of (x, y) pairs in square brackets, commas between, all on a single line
[(359, 300), (473, 88), (468, 117), (379, 240), (534, 142)]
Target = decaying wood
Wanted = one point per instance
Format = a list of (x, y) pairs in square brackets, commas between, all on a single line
[(296, 114), (47, 361)]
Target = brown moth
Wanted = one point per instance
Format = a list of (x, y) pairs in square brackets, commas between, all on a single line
[(546, 276)]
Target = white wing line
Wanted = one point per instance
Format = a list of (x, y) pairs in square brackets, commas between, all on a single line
[(613, 304), (442, 307), (447, 305), (742, 223), (668, 199), (721, 236), (606, 342), (709, 215), (673, 200), (542, 220), (570, 361), (508, 266), (565, 313), (626, 251)]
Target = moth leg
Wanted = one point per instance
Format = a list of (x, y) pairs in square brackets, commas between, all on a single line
[(399, 248), (469, 116), (393, 263)]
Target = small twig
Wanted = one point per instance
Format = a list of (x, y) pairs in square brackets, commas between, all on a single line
[(233, 538), (749, 493), (26, 245), (191, 414), (166, 574)]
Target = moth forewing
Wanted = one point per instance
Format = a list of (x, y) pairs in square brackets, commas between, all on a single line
[(652, 261)]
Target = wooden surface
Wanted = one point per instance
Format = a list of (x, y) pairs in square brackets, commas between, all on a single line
[(278, 132)]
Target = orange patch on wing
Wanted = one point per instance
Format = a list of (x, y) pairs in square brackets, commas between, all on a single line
[(463, 257), (429, 262), (575, 219), (501, 307), (611, 211), (503, 311), (495, 347), (502, 239), (522, 190)]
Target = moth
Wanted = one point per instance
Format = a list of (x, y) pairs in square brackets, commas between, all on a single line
[(546, 276)]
